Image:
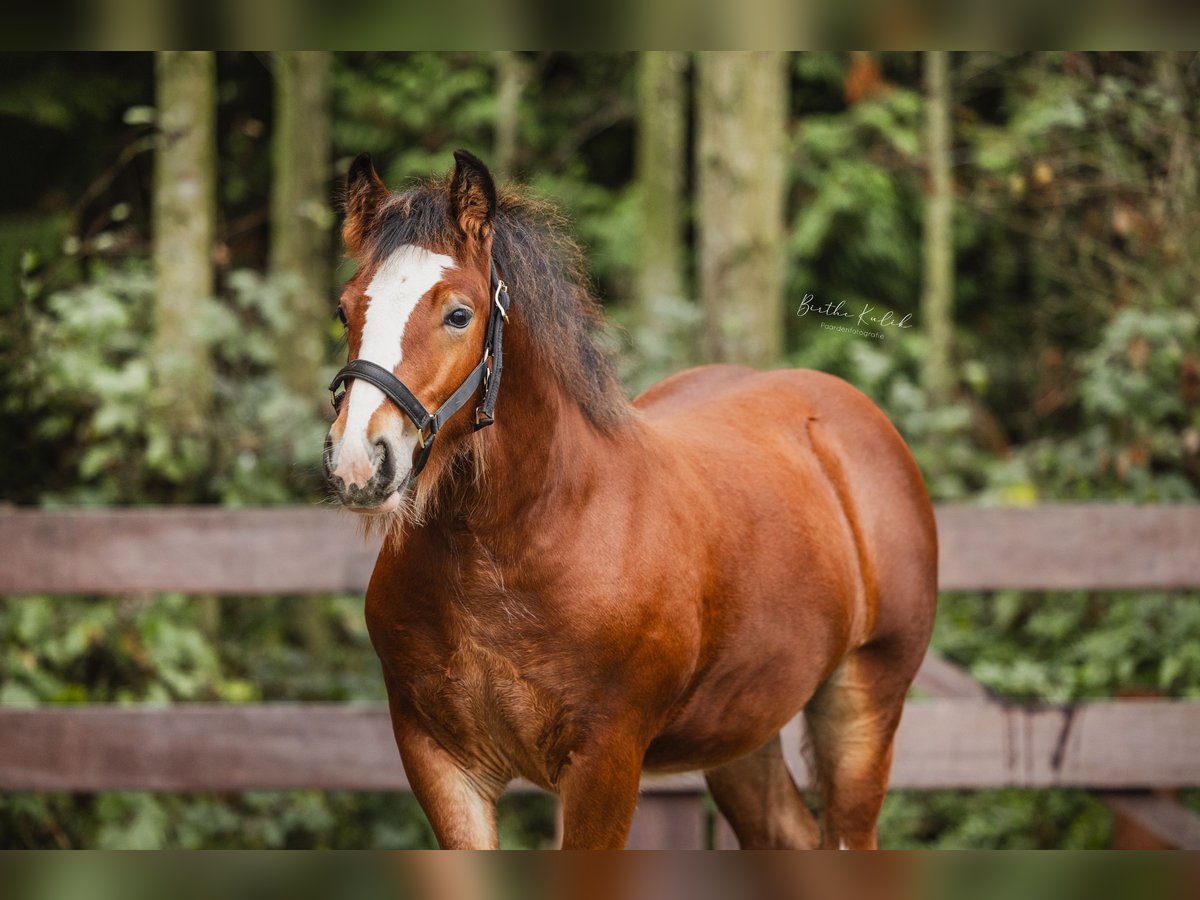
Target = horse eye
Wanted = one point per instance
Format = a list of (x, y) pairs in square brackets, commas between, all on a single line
[(341, 317), (458, 318)]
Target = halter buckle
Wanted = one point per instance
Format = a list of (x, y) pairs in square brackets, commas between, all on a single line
[(424, 439), (482, 419)]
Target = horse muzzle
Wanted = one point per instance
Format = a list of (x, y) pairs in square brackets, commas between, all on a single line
[(369, 480)]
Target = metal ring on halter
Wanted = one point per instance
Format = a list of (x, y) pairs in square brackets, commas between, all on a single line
[(501, 286)]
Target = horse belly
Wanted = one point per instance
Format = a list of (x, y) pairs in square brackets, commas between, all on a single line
[(735, 714), (773, 662)]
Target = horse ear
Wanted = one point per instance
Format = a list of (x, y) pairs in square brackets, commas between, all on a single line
[(474, 195), (365, 193)]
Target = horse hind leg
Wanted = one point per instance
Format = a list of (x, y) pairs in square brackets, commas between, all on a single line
[(758, 797), (852, 722)]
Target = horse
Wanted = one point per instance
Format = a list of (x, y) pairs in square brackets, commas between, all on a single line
[(574, 588)]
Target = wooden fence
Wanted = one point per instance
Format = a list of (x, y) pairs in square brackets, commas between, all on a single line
[(954, 736)]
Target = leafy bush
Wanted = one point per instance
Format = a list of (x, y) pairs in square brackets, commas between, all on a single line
[(87, 385)]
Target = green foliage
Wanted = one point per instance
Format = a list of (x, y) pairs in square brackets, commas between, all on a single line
[(1139, 392), (994, 820), (87, 386), (1071, 646), (258, 820), (412, 109)]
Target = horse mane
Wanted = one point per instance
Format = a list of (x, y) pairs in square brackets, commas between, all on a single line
[(544, 269)]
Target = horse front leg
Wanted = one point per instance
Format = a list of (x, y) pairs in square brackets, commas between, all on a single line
[(599, 792), (460, 806)]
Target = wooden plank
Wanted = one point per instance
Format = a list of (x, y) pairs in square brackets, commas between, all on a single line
[(201, 550), (1150, 822), (1065, 547), (1113, 745), (669, 822), (199, 747), (1102, 744), (983, 743), (303, 550)]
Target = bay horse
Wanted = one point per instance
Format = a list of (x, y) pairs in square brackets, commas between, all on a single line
[(587, 588)]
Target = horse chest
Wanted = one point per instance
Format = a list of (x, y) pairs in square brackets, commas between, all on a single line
[(495, 718)]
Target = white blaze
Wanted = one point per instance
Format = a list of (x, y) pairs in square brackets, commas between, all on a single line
[(399, 284)]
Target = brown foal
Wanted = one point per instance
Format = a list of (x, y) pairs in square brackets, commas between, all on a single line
[(589, 588)]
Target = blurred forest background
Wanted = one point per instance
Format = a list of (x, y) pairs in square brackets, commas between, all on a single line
[(169, 269)]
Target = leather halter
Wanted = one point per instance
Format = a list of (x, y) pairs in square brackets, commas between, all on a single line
[(429, 424)]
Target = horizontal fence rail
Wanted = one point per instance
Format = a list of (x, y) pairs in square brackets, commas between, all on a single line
[(942, 743), (288, 550), (194, 550)]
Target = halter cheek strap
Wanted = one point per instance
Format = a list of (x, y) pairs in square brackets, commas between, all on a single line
[(485, 373)]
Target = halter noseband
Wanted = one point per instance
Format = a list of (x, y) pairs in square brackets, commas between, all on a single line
[(429, 424)]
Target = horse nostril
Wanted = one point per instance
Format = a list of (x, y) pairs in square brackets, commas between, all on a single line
[(385, 466)]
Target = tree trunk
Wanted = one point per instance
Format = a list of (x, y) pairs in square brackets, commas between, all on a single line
[(937, 301), (741, 169), (184, 210), (661, 175), (300, 214), (511, 74)]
